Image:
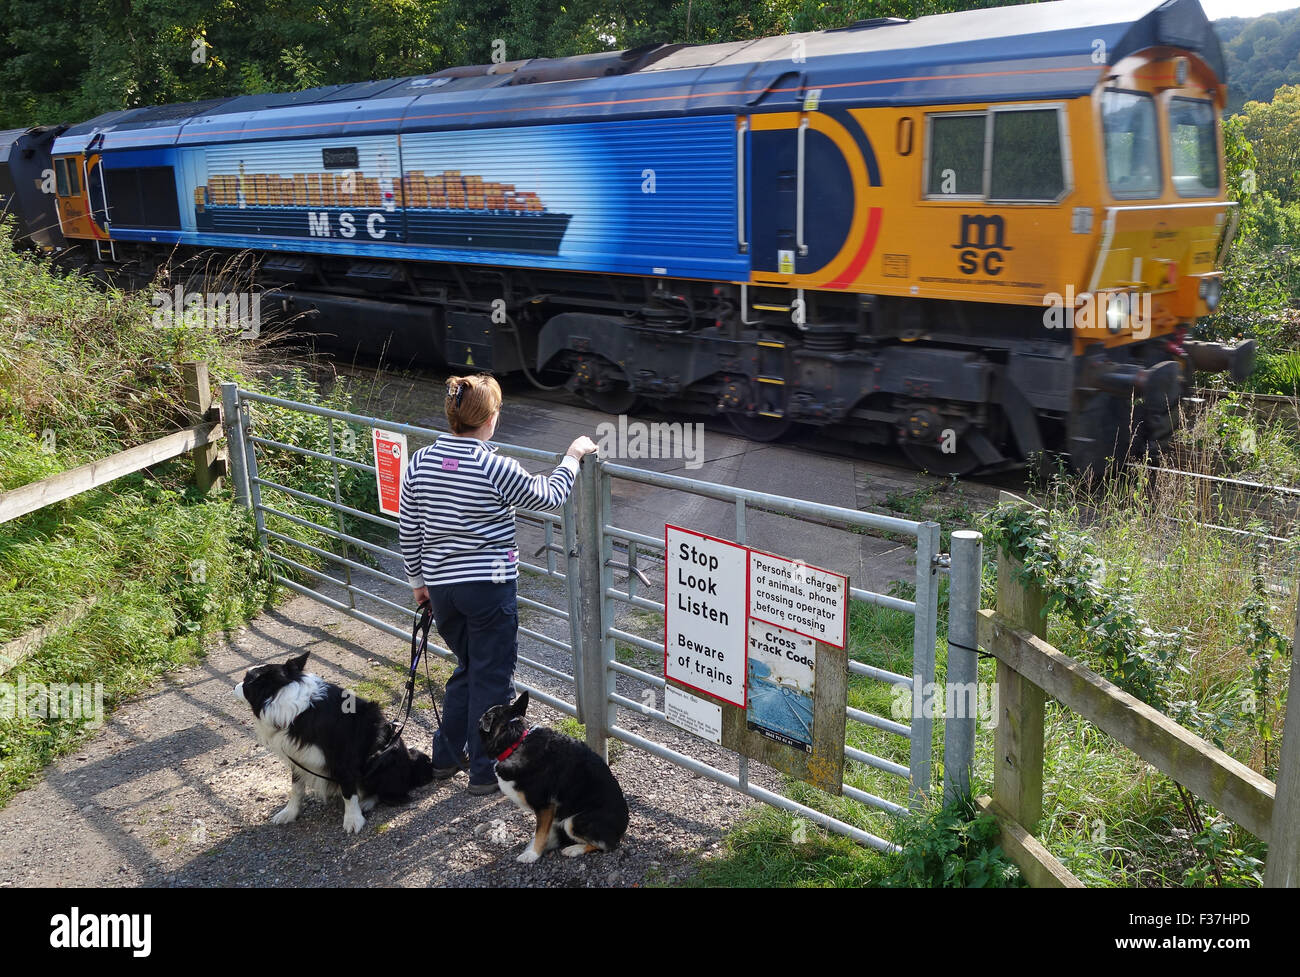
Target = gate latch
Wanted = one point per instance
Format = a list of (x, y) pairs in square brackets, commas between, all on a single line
[(634, 570)]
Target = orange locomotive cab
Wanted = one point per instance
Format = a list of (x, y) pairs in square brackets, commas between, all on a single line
[(1158, 263), (80, 198)]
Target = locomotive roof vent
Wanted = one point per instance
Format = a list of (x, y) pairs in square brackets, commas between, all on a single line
[(870, 23)]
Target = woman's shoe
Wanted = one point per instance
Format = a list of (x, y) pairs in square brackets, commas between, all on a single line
[(446, 773)]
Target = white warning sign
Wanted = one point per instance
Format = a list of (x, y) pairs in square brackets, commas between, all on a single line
[(693, 714), (799, 598), (704, 617)]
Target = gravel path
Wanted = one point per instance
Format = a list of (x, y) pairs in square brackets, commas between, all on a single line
[(174, 790)]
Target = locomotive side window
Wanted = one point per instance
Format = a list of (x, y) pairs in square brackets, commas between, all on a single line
[(1193, 149), (955, 155), (1132, 145), (66, 181), (1027, 161)]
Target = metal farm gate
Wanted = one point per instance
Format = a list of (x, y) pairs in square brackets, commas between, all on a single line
[(585, 678)]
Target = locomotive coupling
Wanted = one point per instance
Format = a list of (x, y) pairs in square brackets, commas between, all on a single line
[(1125, 378), (1239, 360)]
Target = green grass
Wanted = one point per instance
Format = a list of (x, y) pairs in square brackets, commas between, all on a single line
[(943, 502), (772, 848), (1276, 373), (129, 580)]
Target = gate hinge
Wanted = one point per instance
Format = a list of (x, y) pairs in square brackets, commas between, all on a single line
[(942, 560)]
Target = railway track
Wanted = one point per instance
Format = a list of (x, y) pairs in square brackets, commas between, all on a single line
[(1220, 501), (885, 467), (1275, 508), (1268, 407)]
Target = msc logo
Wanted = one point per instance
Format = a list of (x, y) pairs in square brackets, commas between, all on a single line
[(982, 241)]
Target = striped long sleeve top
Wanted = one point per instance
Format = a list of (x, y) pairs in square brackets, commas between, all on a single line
[(457, 510)]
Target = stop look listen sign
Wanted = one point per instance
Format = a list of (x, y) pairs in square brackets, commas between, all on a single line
[(705, 602)]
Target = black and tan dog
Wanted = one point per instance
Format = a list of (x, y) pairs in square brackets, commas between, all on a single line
[(578, 803)]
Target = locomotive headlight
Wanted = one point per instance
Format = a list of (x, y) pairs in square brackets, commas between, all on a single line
[(1116, 311), (1211, 292)]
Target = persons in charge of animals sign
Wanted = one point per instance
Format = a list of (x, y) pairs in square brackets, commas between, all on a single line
[(799, 598)]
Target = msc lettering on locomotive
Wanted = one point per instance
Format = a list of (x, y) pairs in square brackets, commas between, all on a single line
[(982, 232)]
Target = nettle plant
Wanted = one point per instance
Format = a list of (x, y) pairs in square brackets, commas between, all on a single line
[(1269, 650), (1140, 659), (955, 847)]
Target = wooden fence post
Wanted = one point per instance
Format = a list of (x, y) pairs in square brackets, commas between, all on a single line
[(198, 400), (1282, 870), (1018, 739)]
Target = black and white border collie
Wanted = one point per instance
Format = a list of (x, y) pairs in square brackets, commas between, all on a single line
[(571, 791), (333, 732)]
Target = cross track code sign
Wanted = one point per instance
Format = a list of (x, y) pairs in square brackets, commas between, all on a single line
[(390, 463), (704, 613)]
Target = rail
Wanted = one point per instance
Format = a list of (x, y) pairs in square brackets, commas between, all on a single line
[(199, 440)]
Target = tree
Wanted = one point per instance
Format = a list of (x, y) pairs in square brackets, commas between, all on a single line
[(1262, 53), (70, 60), (1273, 129)]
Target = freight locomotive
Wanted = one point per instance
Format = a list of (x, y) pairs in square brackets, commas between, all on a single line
[(979, 235)]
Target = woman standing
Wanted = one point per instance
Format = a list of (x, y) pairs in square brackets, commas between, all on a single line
[(457, 530)]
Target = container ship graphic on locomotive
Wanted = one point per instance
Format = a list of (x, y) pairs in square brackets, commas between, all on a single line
[(445, 210)]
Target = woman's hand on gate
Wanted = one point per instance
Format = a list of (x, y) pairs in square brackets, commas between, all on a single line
[(581, 446), (421, 595)]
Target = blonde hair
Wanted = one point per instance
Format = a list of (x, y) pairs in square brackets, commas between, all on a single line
[(471, 401)]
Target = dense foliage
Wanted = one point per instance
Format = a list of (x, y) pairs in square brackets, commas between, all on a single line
[(71, 60), (1262, 53), (116, 584), (1261, 297), (954, 847)]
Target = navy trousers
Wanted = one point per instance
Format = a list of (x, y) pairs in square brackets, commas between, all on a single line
[(479, 621)]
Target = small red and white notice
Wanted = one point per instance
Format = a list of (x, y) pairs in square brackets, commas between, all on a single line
[(390, 463)]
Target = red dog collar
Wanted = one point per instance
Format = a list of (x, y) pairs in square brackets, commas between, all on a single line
[(513, 746)]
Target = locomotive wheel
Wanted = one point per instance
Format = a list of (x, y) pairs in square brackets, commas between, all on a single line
[(1099, 434), (758, 427), (933, 459), (616, 400), (604, 386)]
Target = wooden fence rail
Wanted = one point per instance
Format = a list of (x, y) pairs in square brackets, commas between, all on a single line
[(200, 439), (1029, 669)]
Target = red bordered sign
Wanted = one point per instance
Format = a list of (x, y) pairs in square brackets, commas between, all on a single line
[(705, 601), (800, 598), (390, 463)]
